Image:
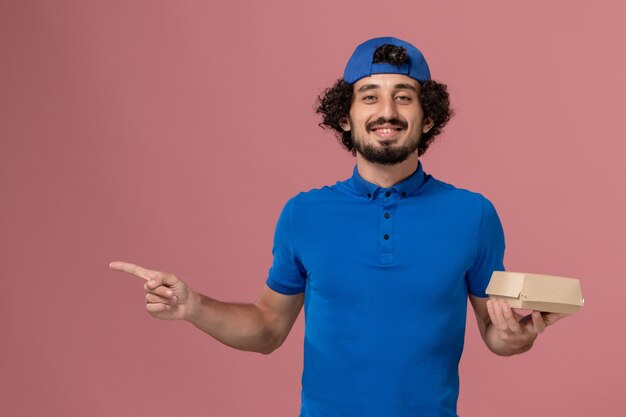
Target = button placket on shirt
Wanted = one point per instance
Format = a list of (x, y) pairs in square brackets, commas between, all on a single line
[(390, 201)]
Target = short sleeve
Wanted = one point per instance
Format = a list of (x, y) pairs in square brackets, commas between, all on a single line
[(287, 274), (490, 248)]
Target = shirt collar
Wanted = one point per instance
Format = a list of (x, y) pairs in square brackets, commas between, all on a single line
[(406, 187)]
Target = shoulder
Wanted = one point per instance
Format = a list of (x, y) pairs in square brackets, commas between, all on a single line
[(316, 196), (463, 196)]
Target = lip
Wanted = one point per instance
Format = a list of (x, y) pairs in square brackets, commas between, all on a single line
[(387, 132)]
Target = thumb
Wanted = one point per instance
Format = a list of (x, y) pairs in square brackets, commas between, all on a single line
[(162, 278)]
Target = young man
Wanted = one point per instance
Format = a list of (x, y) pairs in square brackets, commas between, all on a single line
[(383, 262)]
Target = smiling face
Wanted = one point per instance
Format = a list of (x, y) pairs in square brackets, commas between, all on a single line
[(386, 118)]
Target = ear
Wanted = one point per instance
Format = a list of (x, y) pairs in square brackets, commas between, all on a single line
[(345, 124), (428, 124)]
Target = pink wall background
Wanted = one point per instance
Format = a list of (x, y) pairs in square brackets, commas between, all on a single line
[(170, 134)]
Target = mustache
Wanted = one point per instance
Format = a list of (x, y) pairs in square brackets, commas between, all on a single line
[(381, 121)]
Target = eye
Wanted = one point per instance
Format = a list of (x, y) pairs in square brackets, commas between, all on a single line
[(403, 98), (369, 99)]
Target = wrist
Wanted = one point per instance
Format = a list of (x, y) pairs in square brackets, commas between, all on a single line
[(193, 306)]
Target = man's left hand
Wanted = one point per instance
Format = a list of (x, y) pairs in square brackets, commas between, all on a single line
[(506, 322)]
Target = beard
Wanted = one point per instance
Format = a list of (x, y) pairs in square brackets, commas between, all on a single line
[(386, 153)]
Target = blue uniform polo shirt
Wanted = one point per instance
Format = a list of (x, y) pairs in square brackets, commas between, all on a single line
[(386, 273)]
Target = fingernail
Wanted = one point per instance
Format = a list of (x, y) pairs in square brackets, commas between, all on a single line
[(169, 293)]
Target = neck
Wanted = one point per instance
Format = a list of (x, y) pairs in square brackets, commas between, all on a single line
[(386, 176)]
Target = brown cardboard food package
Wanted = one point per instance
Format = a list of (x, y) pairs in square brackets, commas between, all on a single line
[(545, 293)]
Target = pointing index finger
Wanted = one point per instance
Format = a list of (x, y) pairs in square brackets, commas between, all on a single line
[(133, 269)]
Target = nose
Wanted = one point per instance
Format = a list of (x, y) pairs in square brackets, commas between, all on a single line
[(388, 108)]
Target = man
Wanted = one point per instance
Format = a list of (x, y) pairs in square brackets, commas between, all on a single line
[(383, 262)]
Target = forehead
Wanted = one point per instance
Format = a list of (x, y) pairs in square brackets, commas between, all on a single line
[(386, 81)]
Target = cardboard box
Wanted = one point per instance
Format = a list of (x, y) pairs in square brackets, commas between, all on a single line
[(546, 293)]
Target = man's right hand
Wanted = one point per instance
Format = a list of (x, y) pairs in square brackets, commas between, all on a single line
[(259, 327), (167, 296)]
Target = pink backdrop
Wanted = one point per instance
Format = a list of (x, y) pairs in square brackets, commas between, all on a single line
[(170, 134)]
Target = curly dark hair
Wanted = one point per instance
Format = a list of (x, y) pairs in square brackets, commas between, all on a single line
[(334, 103)]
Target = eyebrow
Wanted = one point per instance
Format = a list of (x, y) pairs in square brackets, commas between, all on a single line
[(405, 87), (366, 87)]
